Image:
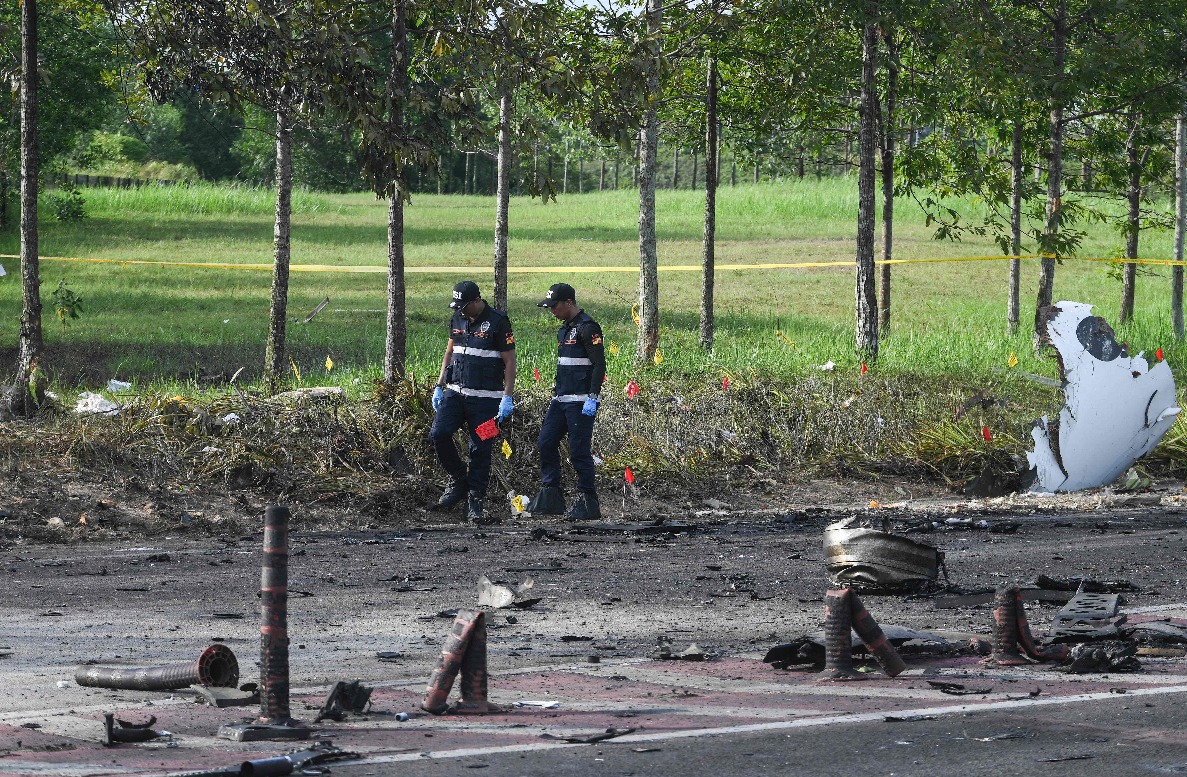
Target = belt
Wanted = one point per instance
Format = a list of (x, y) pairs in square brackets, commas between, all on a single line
[(573, 361), (466, 350), (469, 392), (571, 398)]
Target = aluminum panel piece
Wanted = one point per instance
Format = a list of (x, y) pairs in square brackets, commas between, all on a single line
[(1116, 406), (868, 558)]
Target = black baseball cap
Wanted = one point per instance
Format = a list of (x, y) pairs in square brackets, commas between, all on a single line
[(464, 293), (558, 292)]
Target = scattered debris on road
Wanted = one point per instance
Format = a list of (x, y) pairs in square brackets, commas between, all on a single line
[(694, 652), (243, 696), (1108, 656), (216, 666), (345, 699), (874, 559), (610, 733), (499, 596), (121, 732), (464, 652)]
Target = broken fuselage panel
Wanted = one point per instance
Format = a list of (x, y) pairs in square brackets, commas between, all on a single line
[(1116, 407)]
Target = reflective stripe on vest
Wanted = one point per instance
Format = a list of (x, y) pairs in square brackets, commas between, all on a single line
[(573, 361), (571, 397), (470, 351), (469, 392)]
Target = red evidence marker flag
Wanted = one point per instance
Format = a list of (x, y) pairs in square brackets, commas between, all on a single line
[(536, 373), (628, 476), (632, 389), (986, 434), (487, 429), (725, 383), (864, 368), (1158, 354)]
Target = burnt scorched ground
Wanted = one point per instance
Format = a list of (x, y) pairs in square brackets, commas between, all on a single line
[(737, 583)]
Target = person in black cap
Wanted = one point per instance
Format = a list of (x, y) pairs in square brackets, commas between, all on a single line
[(475, 385), (580, 370)]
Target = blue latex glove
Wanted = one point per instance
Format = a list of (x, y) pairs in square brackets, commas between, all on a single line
[(438, 395), (506, 407), (590, 408)]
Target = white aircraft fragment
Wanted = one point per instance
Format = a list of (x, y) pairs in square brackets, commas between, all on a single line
[(1116, 407)]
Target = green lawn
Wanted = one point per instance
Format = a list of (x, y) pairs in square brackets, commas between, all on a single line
[(159, 324)]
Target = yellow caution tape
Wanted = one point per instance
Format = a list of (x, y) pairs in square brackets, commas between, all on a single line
[(552, 270)]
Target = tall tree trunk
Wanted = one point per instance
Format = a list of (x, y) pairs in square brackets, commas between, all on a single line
[(1133, 196), (866, 307), (581, 175), (711, 169), (565, 183), (756, 171), (395, 344), (468, 173), (733, 171), (26, 395), (616, 161), (1180, 223), (888, 139), (275, 350), (602, 177), (676, 167), (1016, 173), (648, 340), (1054, 175), (696, 158), (1088, 173), (504, 200)]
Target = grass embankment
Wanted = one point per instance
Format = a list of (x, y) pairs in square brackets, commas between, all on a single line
[(163, 326)]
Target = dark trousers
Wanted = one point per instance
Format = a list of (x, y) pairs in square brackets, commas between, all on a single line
[(565, 418), (455, 410)]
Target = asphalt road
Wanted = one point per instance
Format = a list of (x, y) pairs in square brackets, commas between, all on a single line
[(736, 585)]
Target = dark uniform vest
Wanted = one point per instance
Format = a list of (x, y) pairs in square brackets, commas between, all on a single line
[(573, 365), (477, 365)]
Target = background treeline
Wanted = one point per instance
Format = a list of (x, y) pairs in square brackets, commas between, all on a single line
[(1040, 110)]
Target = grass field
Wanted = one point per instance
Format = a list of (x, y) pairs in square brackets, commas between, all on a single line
[(158, 325)]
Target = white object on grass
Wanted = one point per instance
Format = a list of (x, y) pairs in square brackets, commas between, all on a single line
[(1116, 407), (95, 404)]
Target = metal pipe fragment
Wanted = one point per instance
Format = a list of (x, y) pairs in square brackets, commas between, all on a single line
[(216, 667), (277, 766), (1026, 638), (1005, 628), (436, 698), (874, 638), (274, 639), (474, 677), (838, 639)]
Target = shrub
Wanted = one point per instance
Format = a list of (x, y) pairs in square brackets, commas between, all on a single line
[(67, 205)]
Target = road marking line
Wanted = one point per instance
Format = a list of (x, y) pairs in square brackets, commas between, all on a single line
[(865, 717)]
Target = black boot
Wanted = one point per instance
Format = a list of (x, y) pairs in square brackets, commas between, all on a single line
[(455, 492), (475, 514), (585, 508), (549, 501)]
